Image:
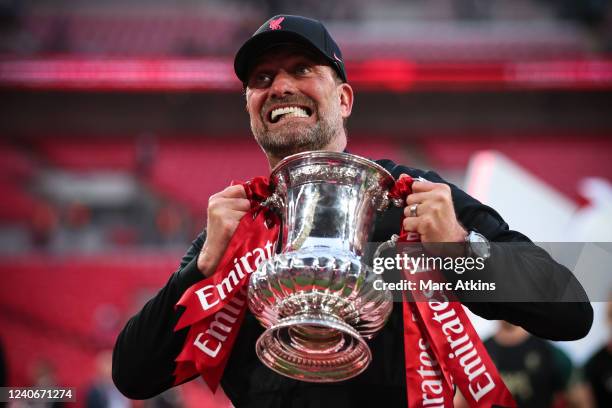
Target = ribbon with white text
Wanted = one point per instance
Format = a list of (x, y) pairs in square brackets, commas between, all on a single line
[(215, 306), (441, 346)]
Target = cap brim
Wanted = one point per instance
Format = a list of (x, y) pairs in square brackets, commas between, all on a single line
[(259, 43)]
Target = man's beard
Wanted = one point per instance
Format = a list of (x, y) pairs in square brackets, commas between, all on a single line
[(290, 140)]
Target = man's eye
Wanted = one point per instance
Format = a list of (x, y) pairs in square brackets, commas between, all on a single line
[(261, 79), (302, 69)]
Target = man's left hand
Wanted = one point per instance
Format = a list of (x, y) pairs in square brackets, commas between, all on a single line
[(429, 211)]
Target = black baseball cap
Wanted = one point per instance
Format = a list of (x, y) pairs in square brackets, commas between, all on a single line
[(283, 29)]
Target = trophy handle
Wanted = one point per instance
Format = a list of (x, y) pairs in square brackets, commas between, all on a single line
[(400, 203), (274, 202), (390, 243), (396, 202)]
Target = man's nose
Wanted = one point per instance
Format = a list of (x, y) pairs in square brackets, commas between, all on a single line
[(282, 85)]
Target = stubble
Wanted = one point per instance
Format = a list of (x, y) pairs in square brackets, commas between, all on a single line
[(292, 138)]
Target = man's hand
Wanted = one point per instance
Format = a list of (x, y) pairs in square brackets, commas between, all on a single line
[(429, 211), (225, 209)]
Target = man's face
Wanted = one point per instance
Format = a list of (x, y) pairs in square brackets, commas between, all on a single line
[(296, 103)]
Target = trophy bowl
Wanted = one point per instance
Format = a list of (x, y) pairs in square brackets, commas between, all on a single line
[(316, 298)]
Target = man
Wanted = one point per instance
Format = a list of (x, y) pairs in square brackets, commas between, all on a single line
[(598, 369), (298, 99), (536, 372)]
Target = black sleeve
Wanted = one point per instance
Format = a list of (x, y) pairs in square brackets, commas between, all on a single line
[(562, 310), (143, 357), (558, 307)]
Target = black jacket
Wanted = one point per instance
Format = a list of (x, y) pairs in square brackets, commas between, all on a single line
[(143, 360)]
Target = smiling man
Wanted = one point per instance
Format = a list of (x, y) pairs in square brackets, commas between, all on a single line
[(296, 102), (298, 99)]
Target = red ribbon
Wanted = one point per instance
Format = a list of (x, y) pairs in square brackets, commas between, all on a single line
[(215, 306), (440, 344)]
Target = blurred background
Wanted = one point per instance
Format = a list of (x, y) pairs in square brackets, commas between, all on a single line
[(117, 118)]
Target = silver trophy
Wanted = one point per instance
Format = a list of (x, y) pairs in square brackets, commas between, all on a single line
[(317, 298)]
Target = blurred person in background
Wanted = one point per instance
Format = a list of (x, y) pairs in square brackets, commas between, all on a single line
[(76, 231), (44, 224), (298, 99), (3, 367), (537, 373), (146, 151), (171, 398), (598, 369), (42, 375), (170, 223), (102, 393)]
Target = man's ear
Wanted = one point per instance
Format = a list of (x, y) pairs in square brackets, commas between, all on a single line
[(345, 92)]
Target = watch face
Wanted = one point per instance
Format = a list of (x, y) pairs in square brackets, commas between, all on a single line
[(480, 245)]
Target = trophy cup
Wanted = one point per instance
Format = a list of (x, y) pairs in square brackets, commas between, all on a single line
[(316, 298)]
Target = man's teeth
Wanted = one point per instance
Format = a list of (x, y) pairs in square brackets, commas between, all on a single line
[(289, 110)]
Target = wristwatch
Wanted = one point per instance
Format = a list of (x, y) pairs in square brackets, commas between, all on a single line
[(476, 245)]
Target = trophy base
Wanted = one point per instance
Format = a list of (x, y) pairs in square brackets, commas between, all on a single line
[(315, 347)]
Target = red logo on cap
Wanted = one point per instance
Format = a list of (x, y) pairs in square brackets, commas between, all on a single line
[(276, 24)]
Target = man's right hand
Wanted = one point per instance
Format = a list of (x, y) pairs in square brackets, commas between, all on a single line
[(225, 209)]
